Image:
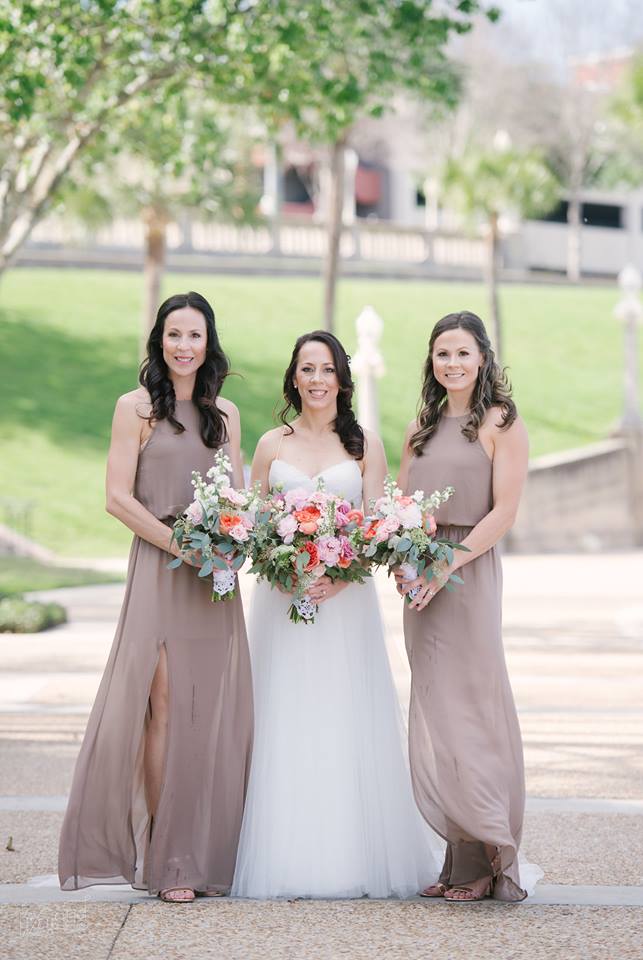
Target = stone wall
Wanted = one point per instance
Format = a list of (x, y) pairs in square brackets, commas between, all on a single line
[(582, 500)]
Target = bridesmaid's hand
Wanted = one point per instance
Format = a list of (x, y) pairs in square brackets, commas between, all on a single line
[(325, 589), (403, 585), (192, 557), (430, 588)]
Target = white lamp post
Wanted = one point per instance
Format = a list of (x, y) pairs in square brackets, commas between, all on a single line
[(630, 311), (368, 366)]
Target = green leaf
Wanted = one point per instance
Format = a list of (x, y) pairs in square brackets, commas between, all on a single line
[(206, 569), (173, 564), (237, 563), (404, 544), (219, 563), (455, 578)]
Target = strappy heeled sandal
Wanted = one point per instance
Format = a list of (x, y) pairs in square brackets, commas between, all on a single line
[(165, 895), (487, 891)]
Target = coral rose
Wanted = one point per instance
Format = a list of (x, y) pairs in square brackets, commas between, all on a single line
[(371, 530), (307, 519), (311, 550), (356, 516)]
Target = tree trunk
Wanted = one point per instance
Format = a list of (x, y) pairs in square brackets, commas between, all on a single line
[(155, 221), (334, 231), (32, 205), (574, 237), (493, 238)]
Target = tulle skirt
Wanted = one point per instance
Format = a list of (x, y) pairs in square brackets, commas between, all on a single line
[(329, 811)]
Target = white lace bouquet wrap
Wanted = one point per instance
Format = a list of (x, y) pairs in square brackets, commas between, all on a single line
[(217, 527)]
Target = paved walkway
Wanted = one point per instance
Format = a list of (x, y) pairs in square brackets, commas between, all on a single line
[(574, 640)]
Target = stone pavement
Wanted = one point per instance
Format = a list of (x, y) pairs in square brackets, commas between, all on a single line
[(574, 640)]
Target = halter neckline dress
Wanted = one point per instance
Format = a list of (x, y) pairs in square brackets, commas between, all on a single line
[(106, 835), (464, 738)]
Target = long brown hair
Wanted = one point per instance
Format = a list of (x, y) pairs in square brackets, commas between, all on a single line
[(492, 388), (345, 426), (155, 378)]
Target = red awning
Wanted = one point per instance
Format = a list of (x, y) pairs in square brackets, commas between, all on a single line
[(368, 186)]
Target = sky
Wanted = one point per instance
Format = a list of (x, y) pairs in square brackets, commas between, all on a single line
[(557, 29)]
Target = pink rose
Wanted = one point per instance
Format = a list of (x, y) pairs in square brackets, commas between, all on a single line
[(329, 550), (286, 528), (194, 513), (386, 527), (347, 554), (410, 516), (238, 533), (229, 493), (297, 499), (341, 520)]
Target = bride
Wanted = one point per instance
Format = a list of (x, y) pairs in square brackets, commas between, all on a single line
[(329, 811)]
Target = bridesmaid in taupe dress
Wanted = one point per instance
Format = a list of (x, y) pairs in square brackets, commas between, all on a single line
[(159, 787), (464, 738)]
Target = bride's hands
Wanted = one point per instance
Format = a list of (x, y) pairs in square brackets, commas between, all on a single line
[(325, 589)]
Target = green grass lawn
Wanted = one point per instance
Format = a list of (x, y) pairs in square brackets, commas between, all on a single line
[(19, 575), (69, 348)]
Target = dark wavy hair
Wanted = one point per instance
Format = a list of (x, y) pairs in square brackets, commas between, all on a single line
[(345, 426), (492, 388), (154, 375)]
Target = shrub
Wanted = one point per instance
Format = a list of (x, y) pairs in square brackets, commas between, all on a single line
[(29, 616)]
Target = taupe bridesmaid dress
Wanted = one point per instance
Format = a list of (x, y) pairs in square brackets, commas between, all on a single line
[(464, 739), (106, 836)]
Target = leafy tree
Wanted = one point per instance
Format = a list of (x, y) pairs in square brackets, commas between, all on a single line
[(69, 70), (484, 184), (173, 155), (334, 61)]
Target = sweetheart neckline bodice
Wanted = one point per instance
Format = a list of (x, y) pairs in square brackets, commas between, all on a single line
[(347, 484), (320, 473)]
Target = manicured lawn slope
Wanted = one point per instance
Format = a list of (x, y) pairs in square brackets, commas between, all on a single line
[(69, 348)]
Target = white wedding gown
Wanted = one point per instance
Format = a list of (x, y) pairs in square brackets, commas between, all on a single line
[(329, 811)]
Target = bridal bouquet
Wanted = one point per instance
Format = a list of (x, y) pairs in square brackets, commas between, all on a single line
[(300, 536), (218, 525), (401, 530)]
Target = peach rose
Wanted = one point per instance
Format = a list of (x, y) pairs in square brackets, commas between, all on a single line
[(227, 521)]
